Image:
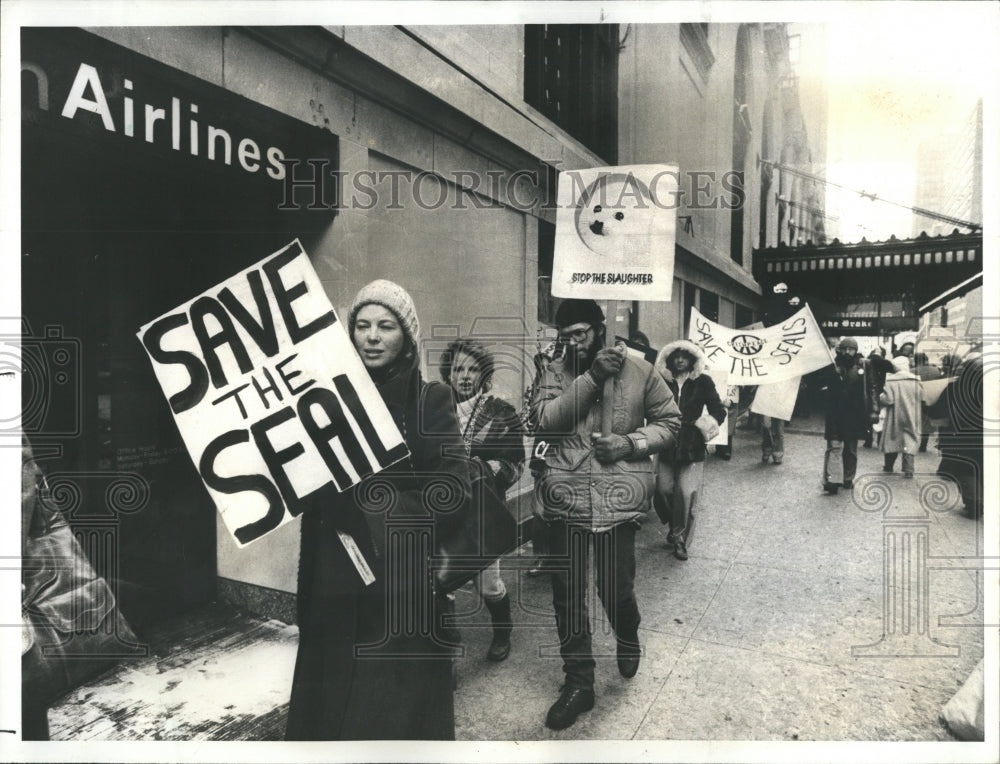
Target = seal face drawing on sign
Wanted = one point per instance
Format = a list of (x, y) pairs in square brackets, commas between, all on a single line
[(746, 344), (616, 215)]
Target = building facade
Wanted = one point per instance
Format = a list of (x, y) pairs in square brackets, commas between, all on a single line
[(159, 161)]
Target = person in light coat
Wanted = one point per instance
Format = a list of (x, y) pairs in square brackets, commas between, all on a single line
[(901, 428)]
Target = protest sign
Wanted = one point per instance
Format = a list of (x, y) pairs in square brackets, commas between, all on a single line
[(720, 377), (615, 229), (931, 389), (273, 403), (777, 399), (776, 353)]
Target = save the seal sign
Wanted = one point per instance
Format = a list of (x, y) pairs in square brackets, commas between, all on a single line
[(790, 349), (269, 395)]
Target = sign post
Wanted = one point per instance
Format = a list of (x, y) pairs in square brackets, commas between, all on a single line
[(615, 230)]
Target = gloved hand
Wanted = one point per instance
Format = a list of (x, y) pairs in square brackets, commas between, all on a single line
[(612, 448), (607, 363)]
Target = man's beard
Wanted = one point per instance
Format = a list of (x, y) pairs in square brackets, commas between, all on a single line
[(580, 360)]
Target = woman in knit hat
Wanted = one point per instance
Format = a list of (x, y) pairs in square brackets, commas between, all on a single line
[(372, 663), (901, 430)]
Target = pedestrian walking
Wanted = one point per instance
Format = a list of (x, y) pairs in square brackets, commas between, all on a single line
[(402, 687), (901, 425), (846, 416), (876, 368), (772, 439), (680, 468), (492, 433), (594, 489), (925, 371)]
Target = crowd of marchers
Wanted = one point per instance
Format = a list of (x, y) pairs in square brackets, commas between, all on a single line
[(612, 433), (594, 475)]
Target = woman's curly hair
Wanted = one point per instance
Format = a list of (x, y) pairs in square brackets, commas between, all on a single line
[(478, 353)]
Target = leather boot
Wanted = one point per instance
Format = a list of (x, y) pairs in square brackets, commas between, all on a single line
[(629, 653), (502, 626)]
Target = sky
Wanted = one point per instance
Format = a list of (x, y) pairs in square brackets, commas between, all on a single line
[(895, 79)]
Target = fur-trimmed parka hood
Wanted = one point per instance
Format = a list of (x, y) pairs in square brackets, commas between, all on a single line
[(700, 360)]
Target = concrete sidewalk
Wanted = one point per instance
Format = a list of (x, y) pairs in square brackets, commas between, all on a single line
[(778, 627), (765, 633)]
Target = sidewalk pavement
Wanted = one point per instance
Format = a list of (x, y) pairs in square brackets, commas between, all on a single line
[(774, 629), (760, 635)]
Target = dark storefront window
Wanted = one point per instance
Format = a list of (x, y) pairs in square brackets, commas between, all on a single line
[(122, 220), (571, 76), (741, 141), (744, 316), (546, 248), (709, 305), (690, 300)]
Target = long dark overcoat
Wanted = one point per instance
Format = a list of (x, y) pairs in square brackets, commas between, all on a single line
[(372, 661)]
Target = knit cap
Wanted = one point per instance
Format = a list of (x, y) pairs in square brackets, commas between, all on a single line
[(577, 311), (392, 296)]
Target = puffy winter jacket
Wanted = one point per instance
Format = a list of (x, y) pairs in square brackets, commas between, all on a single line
[(567, 412)]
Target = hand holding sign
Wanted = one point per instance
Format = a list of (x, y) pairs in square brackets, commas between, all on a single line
[(270, 398), (607, 363)]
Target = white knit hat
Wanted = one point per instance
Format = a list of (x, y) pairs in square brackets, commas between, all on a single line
[(392, 296)]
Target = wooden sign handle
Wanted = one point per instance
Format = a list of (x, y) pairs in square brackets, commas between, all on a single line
[(607, 408)]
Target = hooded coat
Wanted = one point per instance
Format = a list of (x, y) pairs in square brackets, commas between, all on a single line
[(693, 397), (901, 397)]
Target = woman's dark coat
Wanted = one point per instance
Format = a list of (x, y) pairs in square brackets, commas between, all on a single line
[(697, 393), (848, 404), (355, 677)]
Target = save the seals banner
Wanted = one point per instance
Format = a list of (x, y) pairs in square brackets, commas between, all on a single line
[(776, 353), (270, 397), (615, 229)]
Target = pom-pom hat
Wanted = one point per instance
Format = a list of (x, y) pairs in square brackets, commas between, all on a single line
[(389, 295)]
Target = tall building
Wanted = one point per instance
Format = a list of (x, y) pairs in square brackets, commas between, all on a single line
[(718, 99), (950, 182), (950, 176)]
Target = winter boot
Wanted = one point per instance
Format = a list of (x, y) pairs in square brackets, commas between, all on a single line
[(502, 627)]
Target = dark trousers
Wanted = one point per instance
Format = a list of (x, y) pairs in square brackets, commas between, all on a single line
[(614, 562)]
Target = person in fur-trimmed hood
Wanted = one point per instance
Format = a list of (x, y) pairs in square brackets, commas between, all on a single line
[(680, 469)]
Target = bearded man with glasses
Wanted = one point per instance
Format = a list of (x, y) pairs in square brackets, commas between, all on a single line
[(594, 487)]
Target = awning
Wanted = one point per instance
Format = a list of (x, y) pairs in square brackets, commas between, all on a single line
[(950, 294)]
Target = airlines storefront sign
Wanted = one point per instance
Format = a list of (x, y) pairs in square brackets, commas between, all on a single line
[(115, 99)]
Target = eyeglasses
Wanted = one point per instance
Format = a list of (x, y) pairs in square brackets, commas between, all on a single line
[(577, 335)]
